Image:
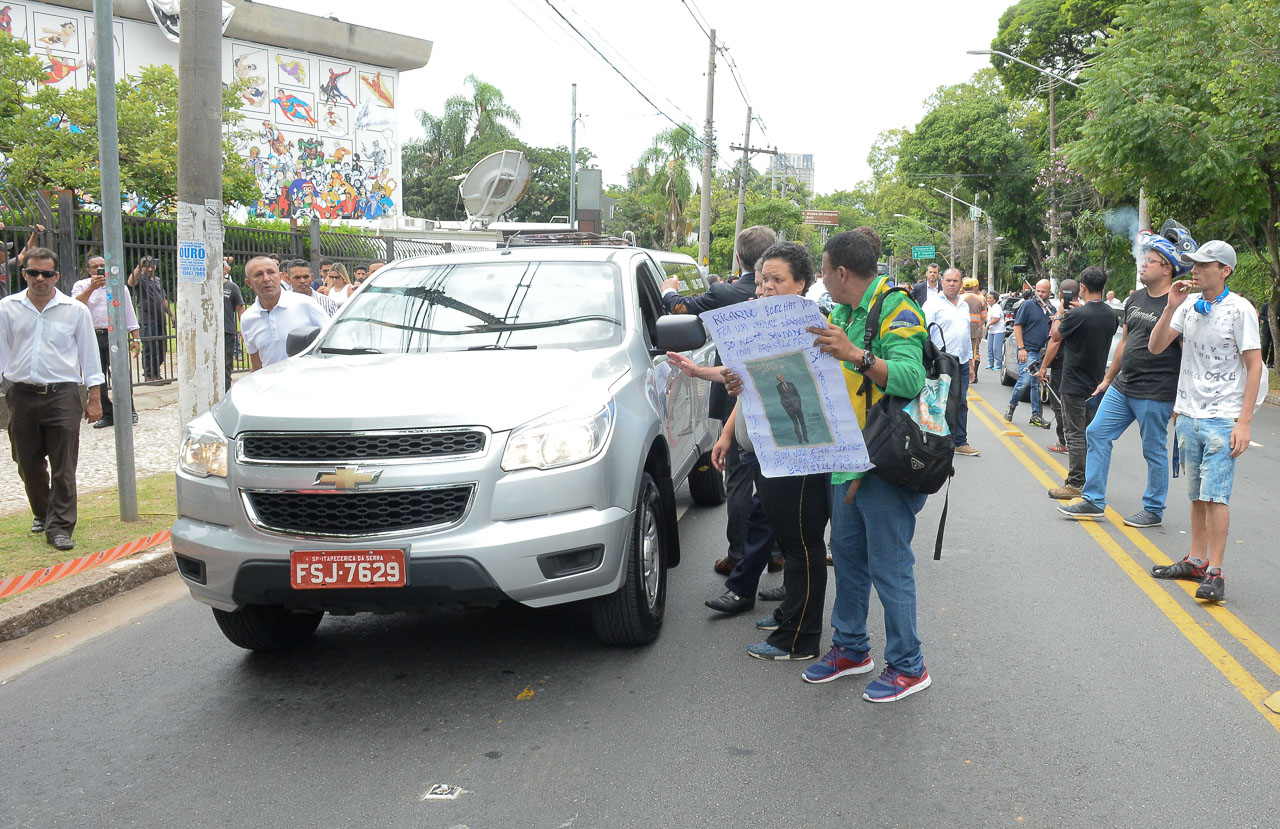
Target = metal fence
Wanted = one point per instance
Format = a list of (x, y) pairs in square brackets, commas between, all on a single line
[(75, 234)]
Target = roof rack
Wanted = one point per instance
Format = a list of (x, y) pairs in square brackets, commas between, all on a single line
[(571, 238)]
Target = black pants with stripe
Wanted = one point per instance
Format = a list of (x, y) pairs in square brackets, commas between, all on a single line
[(798, 510)]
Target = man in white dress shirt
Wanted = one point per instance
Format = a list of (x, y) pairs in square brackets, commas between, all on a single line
[(47, 350), (93, 293), (951, 314), (265, 326)]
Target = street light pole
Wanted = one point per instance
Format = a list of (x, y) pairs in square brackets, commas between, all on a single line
[(573, 161), (742, 190)]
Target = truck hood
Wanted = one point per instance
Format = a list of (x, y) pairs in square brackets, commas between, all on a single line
[(495, 389)]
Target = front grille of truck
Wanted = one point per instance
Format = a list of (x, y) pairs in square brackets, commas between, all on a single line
[(358, 514), (359, 447)]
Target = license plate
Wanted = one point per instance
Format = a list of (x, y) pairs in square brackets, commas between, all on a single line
[(326, 569)]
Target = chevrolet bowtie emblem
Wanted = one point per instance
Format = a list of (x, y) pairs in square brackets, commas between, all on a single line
[(348, 477)]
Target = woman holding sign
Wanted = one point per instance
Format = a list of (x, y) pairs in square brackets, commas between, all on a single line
[(797, 507)]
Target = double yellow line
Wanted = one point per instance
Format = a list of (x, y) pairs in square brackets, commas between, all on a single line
[(1158, 591)]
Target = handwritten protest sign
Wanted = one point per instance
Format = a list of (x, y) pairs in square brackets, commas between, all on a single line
[(794, 396)]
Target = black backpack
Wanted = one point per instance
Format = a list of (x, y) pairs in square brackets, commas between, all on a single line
[(902, 452)]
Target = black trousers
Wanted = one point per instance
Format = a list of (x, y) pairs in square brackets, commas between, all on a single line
[(739, 484), (798, 508), (1055, 383), (1077, 416), (104, 354), (229, 352), (155, 344), (44, 437)]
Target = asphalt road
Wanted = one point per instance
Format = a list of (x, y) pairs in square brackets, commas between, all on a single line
[(1070, 689)]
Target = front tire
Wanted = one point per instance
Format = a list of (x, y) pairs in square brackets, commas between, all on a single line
[(706, 483), (258, 627), (633, 614)]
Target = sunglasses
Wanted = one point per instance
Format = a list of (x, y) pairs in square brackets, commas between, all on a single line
[(35, 274)]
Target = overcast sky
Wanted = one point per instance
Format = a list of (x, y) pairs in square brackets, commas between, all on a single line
[(824, 76)]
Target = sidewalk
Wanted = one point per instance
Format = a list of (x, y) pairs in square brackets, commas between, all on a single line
[(155, 440)]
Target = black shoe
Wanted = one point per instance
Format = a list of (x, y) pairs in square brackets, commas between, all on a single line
[(104, 423), (1037, 420), (37, 526), (1184, 570), (730, 603), (1212, 588), (1008, 416), (774, 594), (62, 541), (135, 418)]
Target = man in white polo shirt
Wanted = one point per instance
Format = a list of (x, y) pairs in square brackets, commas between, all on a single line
[(267, 323), (951, 314)]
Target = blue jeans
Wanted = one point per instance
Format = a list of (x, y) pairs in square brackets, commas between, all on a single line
[(1204, 444), (871, 544), (995, 348), (1115, 413), (1025, 377)]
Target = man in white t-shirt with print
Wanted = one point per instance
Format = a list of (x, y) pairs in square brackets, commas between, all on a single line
[(1219, 387)]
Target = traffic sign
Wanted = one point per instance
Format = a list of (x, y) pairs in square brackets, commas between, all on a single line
[(830, 218), (923, 252)]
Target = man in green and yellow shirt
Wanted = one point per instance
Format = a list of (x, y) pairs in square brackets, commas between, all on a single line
[(871, 533)]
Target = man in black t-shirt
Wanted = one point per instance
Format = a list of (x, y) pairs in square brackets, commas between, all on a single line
[(1139, 386), (1083, 335), (153, 308)]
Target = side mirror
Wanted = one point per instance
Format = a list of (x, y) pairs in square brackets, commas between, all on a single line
[(679, 332), (300, 339)]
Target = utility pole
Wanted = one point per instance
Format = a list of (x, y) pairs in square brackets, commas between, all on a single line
[(1053, 161), (113, 254), (704, 221), (200, 358), (573, 162), (951, 227), (742, 190), (1144, 223), (977, 215), (747, 152), (991, 255)]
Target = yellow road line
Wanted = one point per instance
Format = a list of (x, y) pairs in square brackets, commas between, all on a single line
[(1258, 646), (1237, 674)]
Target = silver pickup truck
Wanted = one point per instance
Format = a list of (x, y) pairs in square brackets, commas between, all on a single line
[(470, 428)]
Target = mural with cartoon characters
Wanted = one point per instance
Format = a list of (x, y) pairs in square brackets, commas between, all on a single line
[(320, 133)]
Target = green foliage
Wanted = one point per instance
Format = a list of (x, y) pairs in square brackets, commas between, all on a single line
[(44, 152), (1057, 35), (667, 161), (1180, 95)]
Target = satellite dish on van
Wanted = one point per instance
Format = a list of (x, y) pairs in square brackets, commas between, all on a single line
[(494, 186)]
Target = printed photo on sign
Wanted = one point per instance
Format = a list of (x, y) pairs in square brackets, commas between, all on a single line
[(57, 34), (293, 70), (91, 49), (337, 83), (791, 401), (13, 20), (249, 65)]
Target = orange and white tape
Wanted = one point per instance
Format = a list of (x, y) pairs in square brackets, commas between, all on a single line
[(17, 584)]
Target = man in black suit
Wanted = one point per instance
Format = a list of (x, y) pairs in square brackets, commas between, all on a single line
[(752, 243), (793, 406), (930, 285)]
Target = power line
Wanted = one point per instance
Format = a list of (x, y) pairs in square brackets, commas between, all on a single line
[(701, 25), (622, 75)]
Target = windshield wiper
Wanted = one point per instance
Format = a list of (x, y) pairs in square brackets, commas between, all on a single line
[(358, 350), (496, 347), (525, 326)]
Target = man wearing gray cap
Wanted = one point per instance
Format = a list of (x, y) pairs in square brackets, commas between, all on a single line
[(1219, 387)]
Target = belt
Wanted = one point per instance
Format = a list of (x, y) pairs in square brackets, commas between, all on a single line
[(45, 388)]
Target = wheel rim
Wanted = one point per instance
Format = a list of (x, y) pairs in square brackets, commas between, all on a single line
[(650, 552)]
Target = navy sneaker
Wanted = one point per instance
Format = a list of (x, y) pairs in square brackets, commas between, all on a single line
[(763, 650), (893, 685), (1144, 520), (1083, 511), (838, 662), (767, 623)]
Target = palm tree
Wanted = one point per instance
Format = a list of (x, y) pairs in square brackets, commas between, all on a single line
[(671, 154)]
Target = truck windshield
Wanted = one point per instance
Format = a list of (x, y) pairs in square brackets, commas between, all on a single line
[(482, 306)]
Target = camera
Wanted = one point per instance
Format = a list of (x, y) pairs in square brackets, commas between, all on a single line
[(1068, 297)]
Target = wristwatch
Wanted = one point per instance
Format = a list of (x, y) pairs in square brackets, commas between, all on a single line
[(868, 360)]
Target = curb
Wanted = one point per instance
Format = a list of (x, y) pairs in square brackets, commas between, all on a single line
[(1273, 399), (45, 605)]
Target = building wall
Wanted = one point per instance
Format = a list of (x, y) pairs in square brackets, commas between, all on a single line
[(322, 131)]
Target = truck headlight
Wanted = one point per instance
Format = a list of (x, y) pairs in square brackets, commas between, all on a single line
[(204, 449), (562, 438)]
